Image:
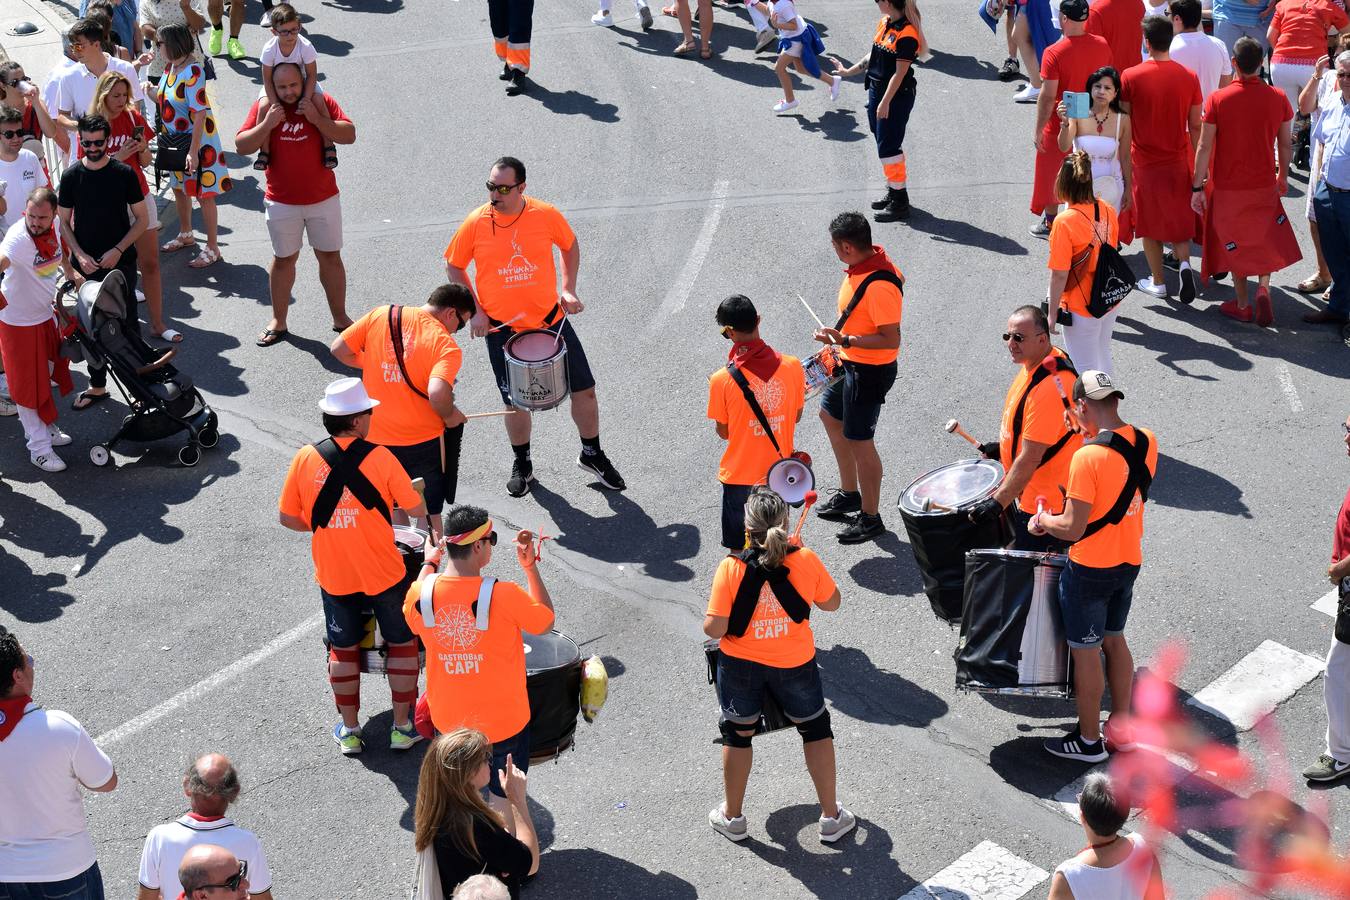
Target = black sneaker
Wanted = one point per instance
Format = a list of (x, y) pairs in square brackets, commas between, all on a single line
[(518, 485), (506, 72), (883, 201), (516, 84), (1009, 70), (600, 466), (1187, 294), (862, 528), (840, 506), (1072, 746), (1170, 261), (1219, 276)]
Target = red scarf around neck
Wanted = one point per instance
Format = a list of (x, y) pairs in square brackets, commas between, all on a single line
[(11, 712), (755, 356), (877, 262)]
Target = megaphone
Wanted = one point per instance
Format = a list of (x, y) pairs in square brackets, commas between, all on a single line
[(791, 478)]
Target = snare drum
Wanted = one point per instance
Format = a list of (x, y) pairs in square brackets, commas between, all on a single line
[(771, 717), (411, 543), (941, 537), (822, 369), (536, 369), (1012, 637), (553, 683)]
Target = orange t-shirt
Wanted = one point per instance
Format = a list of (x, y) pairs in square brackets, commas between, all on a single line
[(1042, 422), (403, 418), (1070, 235), (355, 554), (749, 452), (513, 260), (1097, 476), (881, 305), (772, 638), (476, 679)]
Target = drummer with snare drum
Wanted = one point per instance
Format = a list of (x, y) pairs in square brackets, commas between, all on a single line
[(510, 240), (1109, 481), (755, 401), (1035, 443), (471, 626), (342, 489)]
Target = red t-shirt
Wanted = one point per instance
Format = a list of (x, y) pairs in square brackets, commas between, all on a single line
[(1160, 94), (120, 135), (1340, 544), (1246, 115), (1120, 24), (295, 172), (1069, 61), (1303, 26)]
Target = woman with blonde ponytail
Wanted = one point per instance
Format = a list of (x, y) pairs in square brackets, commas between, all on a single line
[(1075, 238), (761, 600)]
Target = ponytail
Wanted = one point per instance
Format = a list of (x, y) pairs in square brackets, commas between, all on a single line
[(766, 523), (1074, 183)]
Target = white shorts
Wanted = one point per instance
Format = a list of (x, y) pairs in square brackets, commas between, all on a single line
[(287, 225), (794, 49), (151, 213)]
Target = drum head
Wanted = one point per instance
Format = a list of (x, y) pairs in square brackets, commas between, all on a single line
[(956, 485), (1010, 554), (551, 650), (409, 539), (534, 346)]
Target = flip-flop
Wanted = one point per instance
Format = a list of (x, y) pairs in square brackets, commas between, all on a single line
[(706, 53), (270, 336), (168, 334), (87, 399), (672, 10)]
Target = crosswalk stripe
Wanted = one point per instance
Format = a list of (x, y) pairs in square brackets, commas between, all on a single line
[(1257, 684), (1327, 603), (988, 872)]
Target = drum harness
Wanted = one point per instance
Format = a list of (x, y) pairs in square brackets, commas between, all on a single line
[(1137, 479), (1065, 365), (879, 275), (481, 606), (396, 337), (747, 594), (344, 472), (739, 377)]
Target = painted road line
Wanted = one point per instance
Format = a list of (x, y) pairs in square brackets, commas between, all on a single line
[(1287, 385), (209, 683), (988, 872), (683, 285), (1257, 684), (1327, 602)]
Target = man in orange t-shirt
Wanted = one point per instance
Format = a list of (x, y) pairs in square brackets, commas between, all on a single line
[(416, 418), (869, 333), (510, 240), (357, 565), (476, 677), (1034, 445), (1109, 480), (778, 385)]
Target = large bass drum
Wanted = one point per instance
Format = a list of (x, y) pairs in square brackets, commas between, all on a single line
[(941, 535), (553, 682)]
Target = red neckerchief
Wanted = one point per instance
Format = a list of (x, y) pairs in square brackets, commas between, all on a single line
[(756, 356), (197, 818), (877, 262), (48, 245), (11, 712)]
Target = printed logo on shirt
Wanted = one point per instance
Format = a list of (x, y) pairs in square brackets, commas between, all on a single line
[(389, 365), (293, 131), (344, 516), (455, 627), (771, 620), (518, 270)]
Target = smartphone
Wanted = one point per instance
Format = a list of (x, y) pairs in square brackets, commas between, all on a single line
[(1078, 104), (138, 133)]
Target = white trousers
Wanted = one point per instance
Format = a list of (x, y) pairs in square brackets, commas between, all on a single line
[(1336, 691), (1088, 341), (35, 431), (1290, 78)]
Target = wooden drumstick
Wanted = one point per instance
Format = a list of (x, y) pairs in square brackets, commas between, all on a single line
[(954, 427), (1040, 504), (809, 499), (505, 324), (496, 412), (419, 484), (929, 505), (1051, 365), (811, 311)]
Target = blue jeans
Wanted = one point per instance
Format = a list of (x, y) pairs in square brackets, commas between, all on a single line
[(88, 885), (1095, 602), (742, 683), (1228, 32), (1332, 209)]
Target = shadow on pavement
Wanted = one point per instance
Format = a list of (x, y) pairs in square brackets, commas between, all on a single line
[(1184, 486), (1175, 349), (859, 866), (860, 690), (953, 231), (572, 103), (591, 873), (895, 574), (835, 125), (961, 66), (364, 6)]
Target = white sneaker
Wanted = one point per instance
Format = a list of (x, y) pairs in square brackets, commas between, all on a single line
[(59, 437), (140, 296), (832, 830), (783, 106), (731, 829), (48, 462), (765, 38), (603, 19), (1148, 286), (7, 407), (834, 87), (1026, 94)]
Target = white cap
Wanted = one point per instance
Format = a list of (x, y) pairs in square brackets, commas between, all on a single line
[(346, 397)]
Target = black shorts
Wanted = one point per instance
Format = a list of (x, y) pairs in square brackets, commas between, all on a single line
[(424, 461), (1032, 543), (579, 377), (733, 515), (856, 400), (345, 616)]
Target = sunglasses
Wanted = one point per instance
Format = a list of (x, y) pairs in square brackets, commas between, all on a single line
[(95, 142), (286, 31), (501, 189), (1017, 337), (10, 135), (231, 883), (491, 538), (1343, 74)]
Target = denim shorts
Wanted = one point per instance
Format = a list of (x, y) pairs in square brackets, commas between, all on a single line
[(1095, 603), (733, 515), (741, 685), (856, 399), (579, 377), (518, 746), (88, 885), (344, 616)]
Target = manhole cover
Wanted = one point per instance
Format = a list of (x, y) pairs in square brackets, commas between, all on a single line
[(23, 29)]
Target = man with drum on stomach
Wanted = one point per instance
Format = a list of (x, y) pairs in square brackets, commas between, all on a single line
[(471, 626), (342, 490), (414, 380), (778, 385), (1034, 445), (761, 600), (510, 242), (1109, 480)]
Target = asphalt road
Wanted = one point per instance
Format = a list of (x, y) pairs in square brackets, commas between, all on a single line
[(133, 584)]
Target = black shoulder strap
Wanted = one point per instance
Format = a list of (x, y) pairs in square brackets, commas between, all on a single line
[(1138, 478), (344, 472), (747, 593), (879, 275), (1037, 377), (739, 377), (396, 336)]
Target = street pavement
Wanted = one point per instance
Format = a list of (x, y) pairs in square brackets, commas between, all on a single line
[(171, 614)]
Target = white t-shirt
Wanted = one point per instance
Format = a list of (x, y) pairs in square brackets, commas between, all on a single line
[(786, 11), (1206, 56), (1126, 880), (20, 177), (43, 834), (302, 54), (29, 281), (167, 844), (77, 86)]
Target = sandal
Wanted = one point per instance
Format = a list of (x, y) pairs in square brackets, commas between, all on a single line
[(271, 336), (685, 47), (1313, 285), (706, 53), (672, 10), (205, 258), (184, 239), (168, 334), (263, 161), (88, 398), (330, 157)]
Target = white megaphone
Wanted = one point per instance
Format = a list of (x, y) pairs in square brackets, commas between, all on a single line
[(791, 478)]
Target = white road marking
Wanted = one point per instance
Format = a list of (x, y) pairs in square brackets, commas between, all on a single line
[(988, 872), (683, 285), (1259, 682), (1327, 603), (1287, 385), (209, 683)]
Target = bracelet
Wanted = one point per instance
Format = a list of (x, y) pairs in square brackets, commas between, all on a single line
[(1196, 190)]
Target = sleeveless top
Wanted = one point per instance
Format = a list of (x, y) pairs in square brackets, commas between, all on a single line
[(1126, 880), (1104, 150)]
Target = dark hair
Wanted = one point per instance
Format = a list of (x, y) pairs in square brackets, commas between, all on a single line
[(281, 14), (11, 659), (178, 41), (92, 122), (10, 114), (85, 30), (1074, 182), (1103, 809), (1111, 73), (42, 195), (738, 312), (336, 425), (1035, 314), (1188, 11), (1158, 33), (453, 296), (852, 228), (515, 165), (1248, 55), (460, 520), (7, 70)]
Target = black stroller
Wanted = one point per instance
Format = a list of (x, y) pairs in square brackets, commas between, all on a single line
[(163, 401)]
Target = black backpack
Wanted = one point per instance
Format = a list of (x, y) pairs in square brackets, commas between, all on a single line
[(1112, 281)]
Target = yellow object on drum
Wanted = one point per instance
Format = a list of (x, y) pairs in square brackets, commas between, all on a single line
[(594, 687)]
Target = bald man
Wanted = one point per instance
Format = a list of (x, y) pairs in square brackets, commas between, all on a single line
[(208, 872), (211, 784)]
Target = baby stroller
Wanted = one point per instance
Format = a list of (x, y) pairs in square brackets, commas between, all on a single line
[(163, 401)]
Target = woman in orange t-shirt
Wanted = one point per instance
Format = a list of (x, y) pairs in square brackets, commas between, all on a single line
[(767, 648), (1077, 233)]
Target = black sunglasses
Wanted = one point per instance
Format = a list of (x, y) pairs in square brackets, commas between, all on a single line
[(1017, 336), (491, 539), (9, 135), (502, 189), (231, 883), (96, 142)]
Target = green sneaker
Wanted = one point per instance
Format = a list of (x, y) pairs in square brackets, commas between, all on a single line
[(349, 739), (401, 739), (214, 42), (236, 49)]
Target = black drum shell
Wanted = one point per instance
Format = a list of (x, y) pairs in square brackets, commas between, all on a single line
[(940, 543), (555, 694)]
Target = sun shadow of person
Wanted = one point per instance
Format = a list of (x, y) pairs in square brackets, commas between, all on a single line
[(896, 574), (1184, 486), (858, 866), (836, 125), (963, 234), (859, 690), (591, 873), (30, 596), (573, 103), (1173, 349)]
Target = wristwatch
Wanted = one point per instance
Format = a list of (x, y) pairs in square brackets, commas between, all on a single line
[(845, 341)]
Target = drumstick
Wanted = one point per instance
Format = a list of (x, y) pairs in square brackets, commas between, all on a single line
[(811, 311), (810, 499), (557, 338), (929, 505), (1051, 365), (495, 412), (954, 427), (504, 324), (419, 484)]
